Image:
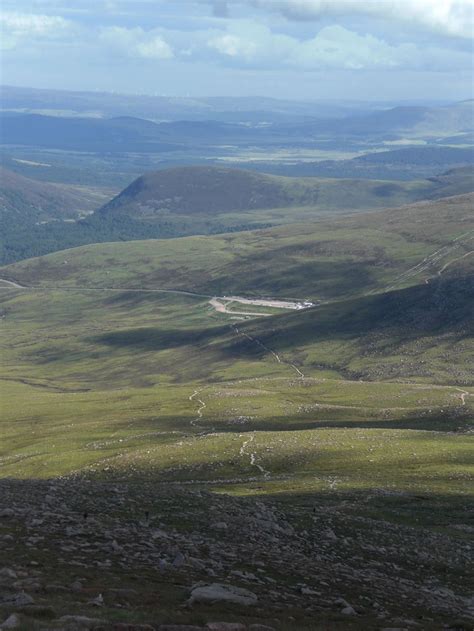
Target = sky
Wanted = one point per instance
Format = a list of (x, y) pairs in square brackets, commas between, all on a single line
[(292, 49)]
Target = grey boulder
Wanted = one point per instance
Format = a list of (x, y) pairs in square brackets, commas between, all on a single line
[(218, 592)]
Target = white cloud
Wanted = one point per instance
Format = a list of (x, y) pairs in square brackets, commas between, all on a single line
[(337, 47), (449, 17), (136, 42), (17, 27), (333, 47), (155, 48), (251, 43)]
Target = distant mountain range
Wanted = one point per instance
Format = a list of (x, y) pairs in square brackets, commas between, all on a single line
[(163, 108), (396, 164), (128, 134), (411, 121)]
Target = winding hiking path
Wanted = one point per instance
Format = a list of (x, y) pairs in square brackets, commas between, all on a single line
[(201, 407), (459, 258), (433, 259), (268, 350), (253, 456), (463, 395)]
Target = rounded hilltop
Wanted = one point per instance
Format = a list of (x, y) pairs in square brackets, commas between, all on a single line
[(205, 189)]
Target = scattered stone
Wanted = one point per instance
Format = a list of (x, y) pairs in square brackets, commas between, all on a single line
[(307, 591), (179, 560), (7, 513), (7, 573), (218, 592), (12, 622), (19, 599), (369, 559), (331, 535), (97, 602)]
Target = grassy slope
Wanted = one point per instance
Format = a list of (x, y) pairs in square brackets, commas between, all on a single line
[(193, 200), (201, 199), (211, 191), (27, 200), (157, 388), (108, 379), (324, 260), (133, 359), (154, 349), (419, 330), (423, 332)]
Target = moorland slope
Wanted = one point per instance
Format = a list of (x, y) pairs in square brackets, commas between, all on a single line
[(388, 284), (324, 260), (211, 200), (346, 427), (212, 191), (24, 200)]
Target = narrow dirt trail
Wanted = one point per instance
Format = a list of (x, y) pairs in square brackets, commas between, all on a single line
[(253, 456), (459, 258), (432, 259), (202, 405), (463, 395), (276, 356), (8, 284)]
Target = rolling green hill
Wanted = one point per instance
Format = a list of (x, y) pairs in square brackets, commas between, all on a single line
[(211, 191), (211, 200), (453, 182), (420, 254), (329, 259), (208, 190)]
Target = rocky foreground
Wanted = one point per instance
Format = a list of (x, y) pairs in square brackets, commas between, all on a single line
[(76, 554)]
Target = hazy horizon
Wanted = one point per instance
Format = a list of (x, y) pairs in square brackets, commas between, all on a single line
[(390, 102), (297, 49)]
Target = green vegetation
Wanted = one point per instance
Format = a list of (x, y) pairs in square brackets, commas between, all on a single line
[(326, 260), (353, 419), (27, 201), (124, 363), (189, 201), (109, 378)]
